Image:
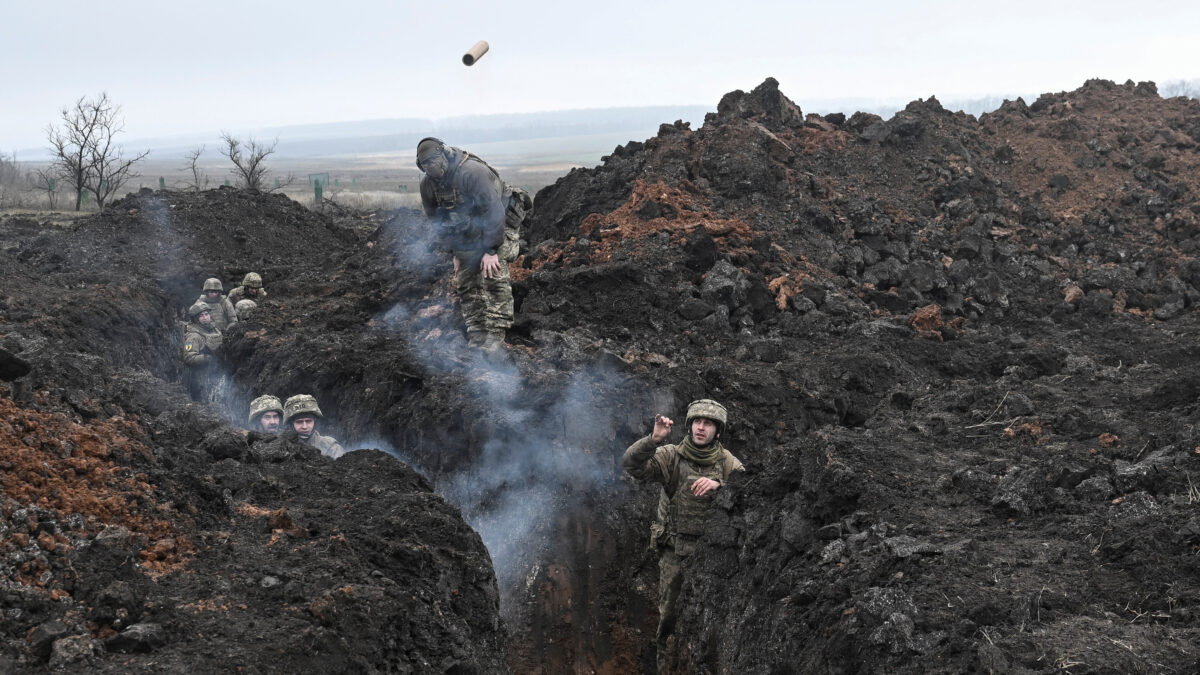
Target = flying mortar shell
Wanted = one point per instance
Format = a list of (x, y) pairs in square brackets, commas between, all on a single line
[(475, 53)]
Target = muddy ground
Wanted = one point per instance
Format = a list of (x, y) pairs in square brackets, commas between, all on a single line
[(958, 354)]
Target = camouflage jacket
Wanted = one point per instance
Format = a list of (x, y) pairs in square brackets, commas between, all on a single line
[(201, 345), (239, 293), (223, 314), (679, 517), (328, 445), (468, 204)]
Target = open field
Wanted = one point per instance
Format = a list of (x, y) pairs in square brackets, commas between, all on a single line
[(376, 180)]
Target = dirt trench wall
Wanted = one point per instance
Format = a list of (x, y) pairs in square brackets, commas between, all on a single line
[(960, 355), (143, 532)]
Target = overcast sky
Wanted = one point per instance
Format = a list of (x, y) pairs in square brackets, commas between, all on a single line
[(180, 68)]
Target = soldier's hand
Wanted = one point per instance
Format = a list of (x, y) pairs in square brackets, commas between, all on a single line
[(490, 265), (662, 428), (457, 264), (702, 486)]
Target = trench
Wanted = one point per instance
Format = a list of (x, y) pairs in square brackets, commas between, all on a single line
[(530, 453)]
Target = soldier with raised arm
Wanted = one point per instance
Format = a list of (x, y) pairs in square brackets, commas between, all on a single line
[(691, 473)]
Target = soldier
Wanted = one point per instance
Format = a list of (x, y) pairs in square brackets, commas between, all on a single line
[(690, 473), (244, 308), (251, 289), (201, 354), (300, 412), (477, 218), (223, 313), (266, 414)]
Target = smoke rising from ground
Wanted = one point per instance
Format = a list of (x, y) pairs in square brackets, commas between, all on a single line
[(538, 456)]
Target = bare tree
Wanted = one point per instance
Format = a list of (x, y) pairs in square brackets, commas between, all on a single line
[(85, 156), (249, 161), (46, 180), (199, 177)]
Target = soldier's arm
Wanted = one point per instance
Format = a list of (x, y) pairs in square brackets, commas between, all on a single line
[(645, 460), (485, 192), (193, 351), (230, 313)]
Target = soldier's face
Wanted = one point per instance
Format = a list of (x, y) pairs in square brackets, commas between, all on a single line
[(251, 291), (704, 431), (435, 165), (205, 319), (304, 426), (212, 295), (269, 422)]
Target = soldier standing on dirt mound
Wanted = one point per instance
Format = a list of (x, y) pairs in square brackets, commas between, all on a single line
[(266, 414), (223, 314), (690, 473), (251, 289), (477, 218), (300, 412), (201, 354)]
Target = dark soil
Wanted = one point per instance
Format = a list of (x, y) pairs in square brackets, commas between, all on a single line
[(959, 357)]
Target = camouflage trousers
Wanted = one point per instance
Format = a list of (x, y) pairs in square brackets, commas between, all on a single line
[(487, 304), (670, 581)]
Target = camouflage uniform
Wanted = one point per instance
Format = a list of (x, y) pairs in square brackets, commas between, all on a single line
[(201, 354), (680, 518), (475, 213), (302, 405), (223, 313), (239, 293), (328, 445), (251, 280)]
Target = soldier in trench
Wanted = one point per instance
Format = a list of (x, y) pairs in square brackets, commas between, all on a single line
[(202, 344), (266, 414), (300, 413), (477, 218), (251, 289), (691, 473), (223, 313)]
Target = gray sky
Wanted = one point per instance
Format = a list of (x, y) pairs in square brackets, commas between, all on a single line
[(192, 67)]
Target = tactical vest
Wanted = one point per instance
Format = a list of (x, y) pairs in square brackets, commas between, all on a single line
[(447, 195), (212, 341), (687, 514), (516, 203)]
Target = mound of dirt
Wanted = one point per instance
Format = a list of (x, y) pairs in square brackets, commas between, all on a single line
[(958, 355), (143, 532), (1012, 494)]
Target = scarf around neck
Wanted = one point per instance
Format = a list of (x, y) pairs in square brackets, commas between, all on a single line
[(706, 456)]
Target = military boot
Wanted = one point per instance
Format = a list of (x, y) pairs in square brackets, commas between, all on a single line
[(476, 338)]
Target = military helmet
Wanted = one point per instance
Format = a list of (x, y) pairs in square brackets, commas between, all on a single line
[(428, 146), (706, 407), (264, 404), (196, 310), (244, 307), (300, 404), (252, 280), (213, 284)]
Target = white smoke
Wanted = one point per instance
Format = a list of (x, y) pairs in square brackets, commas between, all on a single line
[(538, 455)]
